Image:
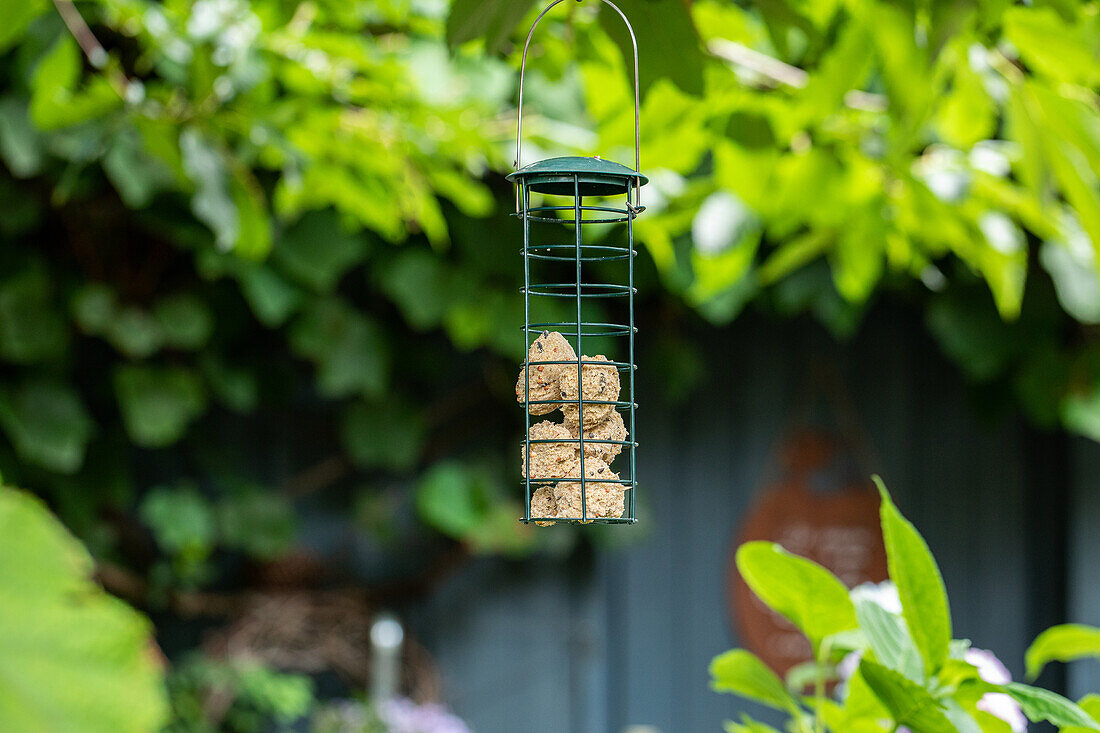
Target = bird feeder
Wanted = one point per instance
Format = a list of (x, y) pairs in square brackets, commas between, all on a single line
[(578, 298)]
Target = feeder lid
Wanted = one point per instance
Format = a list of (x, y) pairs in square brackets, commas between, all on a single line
[(597, 177)]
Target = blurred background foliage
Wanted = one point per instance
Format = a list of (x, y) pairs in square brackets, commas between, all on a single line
[(259, 251)]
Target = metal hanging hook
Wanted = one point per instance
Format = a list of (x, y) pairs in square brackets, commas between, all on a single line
[(637, 94)]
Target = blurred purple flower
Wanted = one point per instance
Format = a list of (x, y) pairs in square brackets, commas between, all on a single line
[(405, 716), (997, 704), (990, 668)]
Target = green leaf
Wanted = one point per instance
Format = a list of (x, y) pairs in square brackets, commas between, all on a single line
[(1039, 705), (271, 297), (388, 434), (742, 673), (1063, 51), (185, 320), (493, 20), (94, 308), (860, 702), (349, 349), (1091, 705), (1081, 413), (857, 258), (668, 44), (920, 585), (318, 250), (970, 333), (213, 202), (181, 519), (31, 328), (498, 531), (842, 69), (135, 332), (448, 498), (56, 102), (909, 704), (254, 223), (20, 144), (70, 654), (259, 523), (14, 19), (747, 725), (1075, 278), (47, 423), (961, 718), (808, 595), (967, 114), (235, 386), (416, 280), (889, 638), (158, 403), (135, 174), (1063, 643)]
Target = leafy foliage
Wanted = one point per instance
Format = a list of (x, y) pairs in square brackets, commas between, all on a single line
[(108, 677), (250, 239), (820, 153), (235, 697), (891, 687), (222, 188)]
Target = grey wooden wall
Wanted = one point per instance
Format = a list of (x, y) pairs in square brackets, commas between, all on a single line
[(623, 637)]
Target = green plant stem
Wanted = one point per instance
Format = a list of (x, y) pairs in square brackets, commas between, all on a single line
[(819, 693)]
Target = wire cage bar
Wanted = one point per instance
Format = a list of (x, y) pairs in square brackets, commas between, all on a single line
[(577, 329)]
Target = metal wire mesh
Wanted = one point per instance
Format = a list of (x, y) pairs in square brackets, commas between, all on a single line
[(577, 330)]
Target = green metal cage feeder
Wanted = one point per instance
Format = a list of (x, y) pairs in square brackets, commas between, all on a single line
[(561, 187)]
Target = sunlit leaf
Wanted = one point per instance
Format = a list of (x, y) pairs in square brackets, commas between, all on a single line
[(1090, 704), (742, 673), (909, 703), (1063, 643), (14, 19), (1039, 705), (1061, 50), (920, 586), (889, 638), (70, 651), (56, 101), (808, 595)]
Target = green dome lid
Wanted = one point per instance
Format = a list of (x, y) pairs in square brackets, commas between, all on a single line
[(597, 177)]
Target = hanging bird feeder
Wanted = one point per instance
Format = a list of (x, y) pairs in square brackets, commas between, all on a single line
[(578, 465)]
